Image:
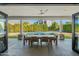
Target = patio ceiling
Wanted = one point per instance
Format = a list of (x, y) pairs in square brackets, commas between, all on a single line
[(23, 10)]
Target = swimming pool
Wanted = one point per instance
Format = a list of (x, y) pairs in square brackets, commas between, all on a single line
[(40, 33)]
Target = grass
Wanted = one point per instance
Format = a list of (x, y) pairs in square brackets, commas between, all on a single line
[(67, 37), (12, 36)]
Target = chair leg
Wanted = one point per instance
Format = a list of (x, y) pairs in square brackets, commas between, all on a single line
[(51, 42), (31, 44), (56, 42), (24, 42), (41, 43), (37, 44), (47, 44)]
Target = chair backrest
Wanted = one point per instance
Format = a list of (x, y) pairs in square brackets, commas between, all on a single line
[(27, 38), (52, 38), (45, 39), (24, 36), (34, 37)]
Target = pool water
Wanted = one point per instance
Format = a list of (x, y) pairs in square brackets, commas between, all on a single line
[(39, 33)]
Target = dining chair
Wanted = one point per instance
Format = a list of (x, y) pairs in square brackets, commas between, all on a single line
[(34, 39), (27, 39), (56, 40), (53, 39), (44, 39), (19, 37)]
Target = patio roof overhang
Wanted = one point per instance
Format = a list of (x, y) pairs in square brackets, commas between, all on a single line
[(34, 10), (40, 17)]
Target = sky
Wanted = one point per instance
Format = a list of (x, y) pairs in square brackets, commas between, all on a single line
[(63, 21), (49, 22), (31, 21)]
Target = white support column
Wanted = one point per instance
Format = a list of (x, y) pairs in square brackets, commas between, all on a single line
[(21, 28), (61, 26)]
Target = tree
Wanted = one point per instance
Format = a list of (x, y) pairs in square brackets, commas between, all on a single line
[(54, 26), (67, 27), (45, 27)]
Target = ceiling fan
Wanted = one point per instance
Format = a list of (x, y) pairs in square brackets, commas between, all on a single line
[(43, 11)]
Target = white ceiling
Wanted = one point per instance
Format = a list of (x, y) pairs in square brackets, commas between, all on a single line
[(35, 10)]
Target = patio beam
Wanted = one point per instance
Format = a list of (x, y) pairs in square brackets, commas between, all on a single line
[(40, 17)]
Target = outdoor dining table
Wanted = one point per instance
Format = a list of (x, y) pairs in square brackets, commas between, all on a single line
[(27, 38)]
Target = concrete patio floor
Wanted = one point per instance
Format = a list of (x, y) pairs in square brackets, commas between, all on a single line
[(16, 48)]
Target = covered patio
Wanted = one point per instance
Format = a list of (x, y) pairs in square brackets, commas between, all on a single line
[(39, 20)]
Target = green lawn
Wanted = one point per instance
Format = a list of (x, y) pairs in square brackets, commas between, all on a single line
[(12, 36), (67, 37)]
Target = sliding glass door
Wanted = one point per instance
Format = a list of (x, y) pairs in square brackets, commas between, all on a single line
[(3, 32), (75, 37), (13, 28)]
